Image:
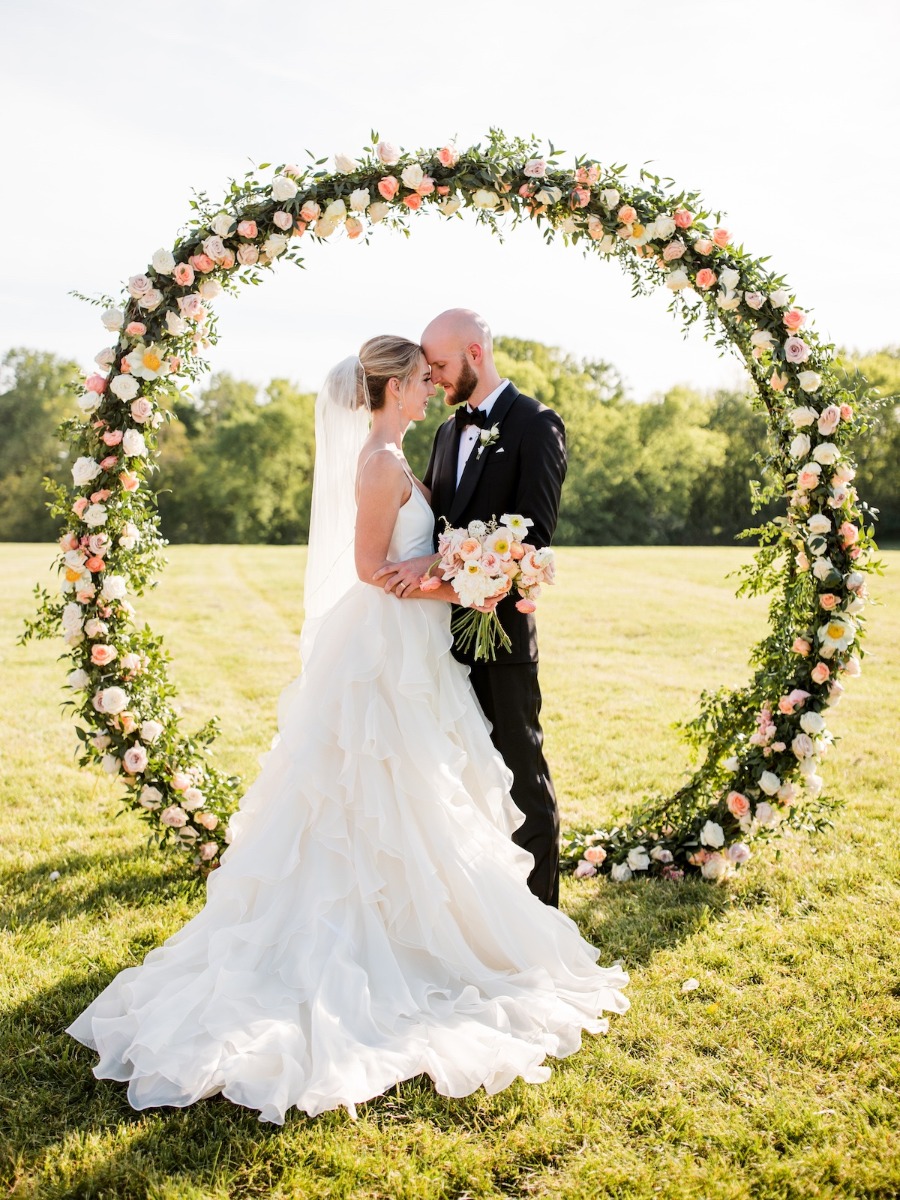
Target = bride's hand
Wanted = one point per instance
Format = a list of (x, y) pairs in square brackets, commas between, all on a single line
[(489, 605), (404, 577)]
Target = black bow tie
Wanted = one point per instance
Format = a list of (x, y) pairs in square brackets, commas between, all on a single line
[(465, 416)]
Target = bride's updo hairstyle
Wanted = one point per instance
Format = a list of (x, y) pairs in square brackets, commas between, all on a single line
[(383, 358)]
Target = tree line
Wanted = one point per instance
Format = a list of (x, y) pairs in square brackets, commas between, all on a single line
[(236, 465)]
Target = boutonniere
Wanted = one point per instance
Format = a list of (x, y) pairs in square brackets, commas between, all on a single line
[(487, 438)]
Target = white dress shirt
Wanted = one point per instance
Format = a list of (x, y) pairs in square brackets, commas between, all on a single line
[(470, 436)]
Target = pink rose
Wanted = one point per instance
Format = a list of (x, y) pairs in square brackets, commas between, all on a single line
[(80, 505), (588, 175), (703, 245), (413, 200), (102, 656), (311, 211), (721, 237), (388, 187), (135, 760), (682, 218), (247, 229), (820, 673), (174, 817), (129, 481), (248, 255), (202, 263), (192, 306), (706, 277), (184, 274), (801, 646), (68, 541), (140, 285), (208, 850), (112, 437), (141, 410), (673, 250), (794, 319), (282, 219), (777, 382), (206, 820), (737, 804), (626, 215), (109, 462), (535, 168), (846, 412), (595, 855), (180, 781), (829, 420), (525, 606), (796, 350), (426, 187), (584, 870), (135, 328), (96, 383), (829, 601), (580, 197), (848, 533), (448, 156)]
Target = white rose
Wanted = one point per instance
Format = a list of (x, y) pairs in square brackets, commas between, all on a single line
[(548, 195), (664, 227), (535, 168), (175, 324), (174, 817), (222, 224), (125, 387), (765, 814), (135, 760), (800, 418), (609, 198), (661, 855), (819, 523), (412, 176), (826, 452), (113, 319), (638, 858), (110, 764), (727, 300), (567, 225), (130, 536), (810, 381), (114, 587), (712, 834), (84, 470), (448, 207), (387, 153), (779, 298), (133, 443), (754, 300), (787, 793), (95, 515), (192, 798), (150, 797), (151, 300), (822, 568), (620, 873), (88, 403), (72, 615), (150, 731), (761, 338), (378, 211), (677, 280), (715, 867), (275, 244), (769, 783), (800, 446), (344, 163), (78, 680), (484, 198), (359, 200), (336, 211), (728, 277), (732, 763), (812, 722), (210, 288), (324, 227), (112, 700), (163, 262), (283, 188)]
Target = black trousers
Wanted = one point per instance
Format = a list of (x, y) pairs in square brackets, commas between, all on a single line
[(511, 699)]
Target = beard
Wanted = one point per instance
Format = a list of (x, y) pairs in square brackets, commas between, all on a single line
[(465, 385)]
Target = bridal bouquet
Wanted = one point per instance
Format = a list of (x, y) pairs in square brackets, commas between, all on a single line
[(487, 560)]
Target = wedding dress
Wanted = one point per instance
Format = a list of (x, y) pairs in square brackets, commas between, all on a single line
[(370, 921)]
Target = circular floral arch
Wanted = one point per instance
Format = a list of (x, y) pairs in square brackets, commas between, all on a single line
[(762, 743)]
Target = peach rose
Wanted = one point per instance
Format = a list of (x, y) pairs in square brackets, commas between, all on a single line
[(184, 274), (801, 646), (429, 583), (777, 382), (101, 655), (95, 564), (580, 197), (202, 263), (721, 236), (683, 218), (80, 505), (737, 804), (820, 673), (470, 548), (109, 462), (413, 200), (846, 412), (180, 781), (674, 250), (388, 187), (703, 245), (525, 606), (129, 481), (247, 229), (706, 277), (112, 437), (829, 420), (299, 229), (626, 215), (794, 319), (282, 220), (829, 601), (310, 211), (595, 854), (426, 187), (848, 533), (448, 156), (206, 820)]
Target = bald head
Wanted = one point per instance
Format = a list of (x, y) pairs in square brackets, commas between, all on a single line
[(460, 350)]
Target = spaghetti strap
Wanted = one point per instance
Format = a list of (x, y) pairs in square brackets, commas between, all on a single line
[(402, 461)]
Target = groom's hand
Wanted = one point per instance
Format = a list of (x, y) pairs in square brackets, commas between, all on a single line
[(400, 578)]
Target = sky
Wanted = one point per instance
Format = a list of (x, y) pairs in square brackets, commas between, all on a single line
[(783, 116)]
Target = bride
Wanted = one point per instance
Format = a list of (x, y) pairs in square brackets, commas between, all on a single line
[(371, 919)]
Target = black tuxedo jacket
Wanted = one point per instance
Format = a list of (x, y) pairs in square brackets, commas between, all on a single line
[(522, 472)]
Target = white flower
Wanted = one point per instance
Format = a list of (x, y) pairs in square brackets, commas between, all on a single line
[(477, 529), (661, 855), (110, 764), (728, 276), (114, 587), (663, 228), (837, 634), (822, 568), (84, 470), (113, 319), (387, 153), (175, 324), (677, 280), (133, 443), (856, 605), (78, 679), (112, 700), (283, 188), (549, 195), (484, 198), (88, 403), (769, 783), (359, 200), (344, 164), (95, 515), (620, 873), (449, 206), (336, 211), (610, 198), (819, 523), (638, 858), (754, 300), (690, 985), (130, 536), (761, 338), (125, 387), (738, 853), (712, 834), (150, 797), (814, 784), (765, 814), (727, 300), (800, 446), (412, 176), (150, 731), (826, 452), (535, 168), (151, 300), (517, 523), (192, 798), (810, 381), (276, 243), (163, 262), (812, 722), (801, 417), (379, 210), (209, 289), (222, 224), (147, 362), (715, 867), (780, 298), (732, 763)]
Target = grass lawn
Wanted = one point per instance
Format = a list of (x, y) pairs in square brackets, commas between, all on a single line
[(778, 1077)]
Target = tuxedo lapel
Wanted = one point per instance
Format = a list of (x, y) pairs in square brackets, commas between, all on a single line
[(475, 462), (445, 474)]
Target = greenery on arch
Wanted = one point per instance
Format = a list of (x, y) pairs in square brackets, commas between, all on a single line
[(759, 745)]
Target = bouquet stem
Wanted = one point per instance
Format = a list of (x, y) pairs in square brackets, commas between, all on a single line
[(484, 629)]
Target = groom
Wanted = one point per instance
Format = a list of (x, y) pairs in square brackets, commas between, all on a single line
[(520, 471)]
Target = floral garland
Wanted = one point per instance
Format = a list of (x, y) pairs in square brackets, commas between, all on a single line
[(763, 742)]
